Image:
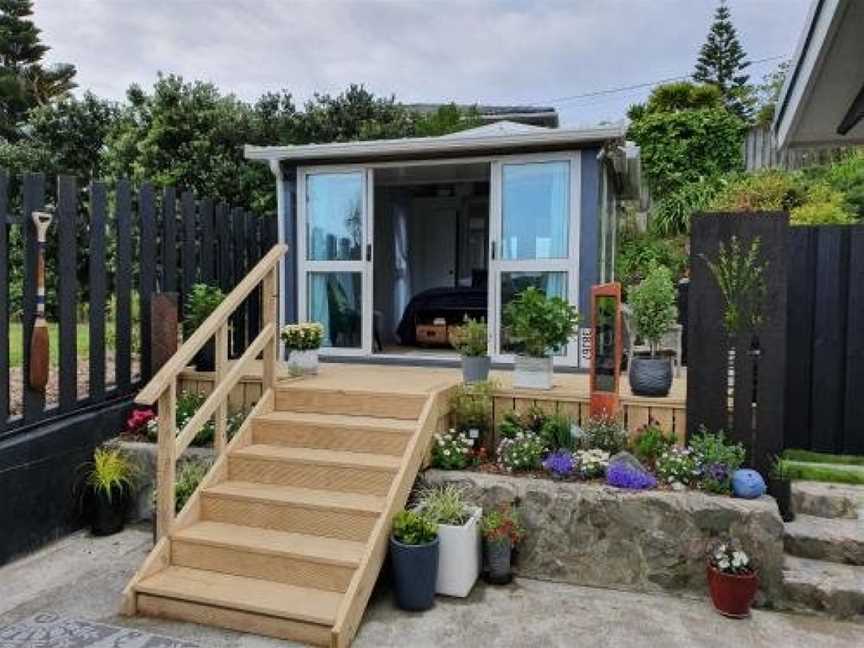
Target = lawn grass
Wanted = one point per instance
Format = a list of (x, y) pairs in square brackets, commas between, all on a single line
[(16, 352), (839, 474), (809, 456)]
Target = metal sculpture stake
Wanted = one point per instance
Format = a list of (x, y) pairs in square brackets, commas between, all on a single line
[(39, 338)]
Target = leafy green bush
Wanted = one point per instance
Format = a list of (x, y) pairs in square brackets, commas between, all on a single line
[(638, 251), (189, 475), (187, 404), (201, 302), (412, 528), (653, 305), (671, 214), (471, 405), (531, 419), (605, 433), (112, 472), (445, 505), (719, 458), (539, 325), (522, 452), (452, 450), (557, 433), (470, 338), (846, 176), (650, 442)]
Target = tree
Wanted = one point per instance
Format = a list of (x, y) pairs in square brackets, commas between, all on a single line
[(722, 61), (448, 118), (768, 93)]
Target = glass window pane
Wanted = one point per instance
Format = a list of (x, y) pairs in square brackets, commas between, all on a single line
[(553, 284), (334, 213), (536, 210), (336, 300)]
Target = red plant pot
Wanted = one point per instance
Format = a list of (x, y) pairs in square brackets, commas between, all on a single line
[(732, 594)]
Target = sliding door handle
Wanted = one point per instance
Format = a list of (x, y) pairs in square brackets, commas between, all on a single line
[(368, 251), (492, 249)]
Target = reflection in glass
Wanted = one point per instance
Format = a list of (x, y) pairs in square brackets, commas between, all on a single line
[(335, 300), (604, 339), (334, 216), (552, 284), (536, 210)]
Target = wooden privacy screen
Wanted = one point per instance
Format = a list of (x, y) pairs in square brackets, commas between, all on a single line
[(707, 359)]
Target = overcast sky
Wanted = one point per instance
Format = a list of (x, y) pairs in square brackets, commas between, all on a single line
[(506, 52)]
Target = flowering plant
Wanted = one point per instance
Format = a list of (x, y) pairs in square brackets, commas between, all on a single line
[(560, 464), (306, 336), (606, 433), (188, 403), (592, 463), (623, 475), (523, 452), (502, 524), (729, 558), (452, 450), (679, 467), (138, 419)]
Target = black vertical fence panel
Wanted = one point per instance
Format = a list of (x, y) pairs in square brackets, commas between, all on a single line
[(801, 262), (853, 424), (238, 221), (190, 260), (208, 241), (4, 301), (123, 288), (829, 337), (169, 240), (96, 276), (147, 264), (67, 289), (33, 200), (225, 266), (253, 254)]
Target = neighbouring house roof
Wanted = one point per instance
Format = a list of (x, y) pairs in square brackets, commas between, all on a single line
[(534, 115), (822, 102), (492, 139)]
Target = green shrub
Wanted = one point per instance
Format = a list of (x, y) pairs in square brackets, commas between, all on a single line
[(445, 505), (531, 419), (638, 251), (470, 338), (653, 304), (189, 475), (557, 433), (471, 405), (112, 472), (452, 450), (201, 302), (539, 325), (719, 458), (671, 214), (522, 452), (650, 442), (605, 433), (412, 528)]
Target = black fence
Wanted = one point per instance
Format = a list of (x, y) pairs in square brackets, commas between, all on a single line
[(109, 249)]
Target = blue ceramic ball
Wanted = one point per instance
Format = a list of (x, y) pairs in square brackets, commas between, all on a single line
[(747, 484)]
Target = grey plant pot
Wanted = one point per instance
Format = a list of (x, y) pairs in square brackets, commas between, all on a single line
[(475, 368), (498, 556), (651, 376)]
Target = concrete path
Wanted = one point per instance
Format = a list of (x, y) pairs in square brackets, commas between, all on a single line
[(82, 577)]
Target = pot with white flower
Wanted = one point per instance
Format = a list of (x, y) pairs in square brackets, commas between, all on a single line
[(303, 341), (732, 580)]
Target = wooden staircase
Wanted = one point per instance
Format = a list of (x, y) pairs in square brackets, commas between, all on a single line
[(286, 535)]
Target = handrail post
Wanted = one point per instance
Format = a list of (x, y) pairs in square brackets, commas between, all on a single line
[(220, 437), (270, 299), (166, 461)]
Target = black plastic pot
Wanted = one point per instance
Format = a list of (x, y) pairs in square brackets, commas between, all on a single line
[(205, 359), (781, 490), (650, 376), (498, 562), (415, 570), (109, 515)]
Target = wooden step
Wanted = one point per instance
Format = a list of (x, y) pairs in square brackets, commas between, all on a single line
[(291, 558), (334, 432), (348, 516), (407, 406), (349, 472), (251, 596)]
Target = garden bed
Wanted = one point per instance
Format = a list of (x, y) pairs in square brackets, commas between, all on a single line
[(650, 541)]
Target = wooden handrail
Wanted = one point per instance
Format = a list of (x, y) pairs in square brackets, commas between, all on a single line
[(183, 356), (163, 386)]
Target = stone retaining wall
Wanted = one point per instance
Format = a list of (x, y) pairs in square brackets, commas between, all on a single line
[(649, 541)]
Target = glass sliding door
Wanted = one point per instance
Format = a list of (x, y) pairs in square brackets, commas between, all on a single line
[(535, 239), (333, 237)]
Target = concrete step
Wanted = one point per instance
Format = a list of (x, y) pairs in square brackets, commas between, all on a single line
[(833, 540), (822, 499), (816, 585)]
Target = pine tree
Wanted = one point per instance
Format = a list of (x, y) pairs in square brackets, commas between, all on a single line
[(722, 61)]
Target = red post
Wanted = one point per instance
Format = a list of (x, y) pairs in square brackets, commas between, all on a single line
[(606, 348)]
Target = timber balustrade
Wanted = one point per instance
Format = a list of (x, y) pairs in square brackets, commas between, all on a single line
[(162, 388)]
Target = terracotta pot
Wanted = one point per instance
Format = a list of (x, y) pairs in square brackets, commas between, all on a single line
[(732, 594)]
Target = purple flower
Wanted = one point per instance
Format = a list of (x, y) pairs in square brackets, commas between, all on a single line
[(623, 475), (560, 463), (717, 471)]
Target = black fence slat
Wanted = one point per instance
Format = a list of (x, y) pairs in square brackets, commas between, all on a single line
[(4, 301), (147, 263), (190, 235), (225, 265), (123, 288), (67, 289), (33, 200), (208, 240), (253, 254), (853, 424), (97, 280), (169, 240), (238, 221)]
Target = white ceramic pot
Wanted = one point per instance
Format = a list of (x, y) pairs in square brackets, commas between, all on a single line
[(532, 373), (306, 361), (459, 556)]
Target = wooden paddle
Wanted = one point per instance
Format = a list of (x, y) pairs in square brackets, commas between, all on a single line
[(39, 338)]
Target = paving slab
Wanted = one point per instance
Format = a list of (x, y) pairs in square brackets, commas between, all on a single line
[(822, 499), (827, 587), (832, 539)]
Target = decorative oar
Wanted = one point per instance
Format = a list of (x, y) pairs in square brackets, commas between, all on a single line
[(39, 338)]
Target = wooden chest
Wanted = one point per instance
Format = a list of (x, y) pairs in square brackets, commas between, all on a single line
[(432, 335)]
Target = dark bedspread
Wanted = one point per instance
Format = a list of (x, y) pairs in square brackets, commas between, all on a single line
[(450, 303)]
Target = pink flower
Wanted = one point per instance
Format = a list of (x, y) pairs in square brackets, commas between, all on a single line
[(138, 419)]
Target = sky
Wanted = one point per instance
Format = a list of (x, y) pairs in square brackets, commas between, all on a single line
[(469, 51)]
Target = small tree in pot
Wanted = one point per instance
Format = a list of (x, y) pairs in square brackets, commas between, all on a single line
[(732, 580), (414, 553), (110, 479), (200, 303), (538, 326), (501, 531), (303, 341), (652, 302), (470, 341)]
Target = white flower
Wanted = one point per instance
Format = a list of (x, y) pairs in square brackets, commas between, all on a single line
[(723, 564)]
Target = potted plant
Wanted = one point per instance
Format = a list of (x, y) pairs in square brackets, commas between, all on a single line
[(501, 531), (732, 580), (538, 326), (303, 341), (200, 303), (652, 303), (414, 548), (110, 479), (459, 536), (470, 341), (471, 410), (780, 488)]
